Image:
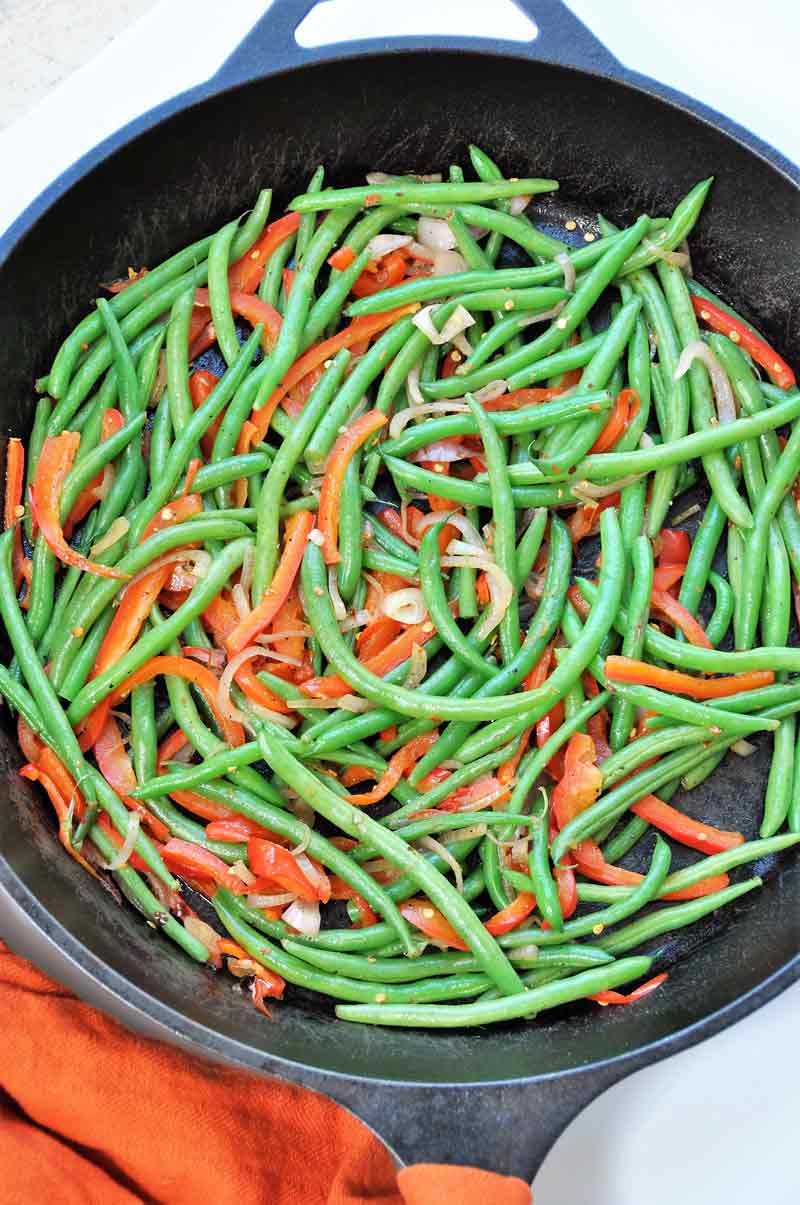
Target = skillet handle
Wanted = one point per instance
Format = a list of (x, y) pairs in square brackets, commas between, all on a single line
[(271, 44), (506, 1128)]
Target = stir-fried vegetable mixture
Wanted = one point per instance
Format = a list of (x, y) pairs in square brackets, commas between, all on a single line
[(289, 575)]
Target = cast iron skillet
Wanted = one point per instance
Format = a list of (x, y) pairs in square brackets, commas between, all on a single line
[(618, 143)]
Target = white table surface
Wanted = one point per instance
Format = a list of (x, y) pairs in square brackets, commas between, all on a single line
[(721, 1117)]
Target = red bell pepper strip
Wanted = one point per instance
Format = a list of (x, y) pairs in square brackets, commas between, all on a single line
[(331, 686), (612, 997), (245, 274), (240, 829), (201, 383), (358, 330), (185, 857), (590, 862), (115, 766), (585, 519), (617, 421), (272, 861), (512, 916), (182, 667), (567, 890), (400, 763), (581, 783), (341, 454), (13, 508), (720, 320), (422, 915), (353, 775), (112, 422), (673, 546), (391, 271), (626, 669), (665, 604), (298, 527), (35, 773), (341, 258), (683, 828), (248, 681), (55, 461), (253, 310), (667, 576)]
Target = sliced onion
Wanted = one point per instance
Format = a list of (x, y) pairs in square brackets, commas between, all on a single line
[(418, 667), (448, 263), (501, 591), (383, 178), (432, 518), (446, 452), (316, 877), (316, 537), (300, 808), (284, 634), (465, 834), (115, 532), (248, 564), (436, 233), (684, 250), (404, 528), (243, 872), (377, 586), (401, 420), (384, 244), (525, 953), (678, 259), (223, 700), (462, 344), (176, 557), (126, 849), (743, 748), (285, 659), (359, 619), (421, 252), (270, 901), (346, 702), (339, 609), (459, 321), (589, 493), (240, 601), (468, 530), (518, 205), (564, 260), (203, 933), (492, 390), (405, 606), (415, 394), (467, 548), (303, 915), (444, 853), (723, 393), (302, 846)]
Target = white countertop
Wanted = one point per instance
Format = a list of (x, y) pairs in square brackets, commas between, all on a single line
[(721, 1117)]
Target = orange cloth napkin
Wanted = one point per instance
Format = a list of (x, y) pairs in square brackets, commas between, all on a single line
[(92, 1115)]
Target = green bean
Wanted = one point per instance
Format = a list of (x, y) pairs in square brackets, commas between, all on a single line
[(570, 317), (150, 645), (22, 701), (409, 192), (84, 661), (622, 708), (689, 712), (666, 920), (289, 341), (387, 844), (142, 290), (703, 550), (435, 598), (504, 545), (611, 805), (793, 814), (473, 493), (755, 552), (540, 631), (529, 545), (328, 305), (185, 440), (350, 525), (350, 393), (524, 1004), (678, 227), (630, 833)]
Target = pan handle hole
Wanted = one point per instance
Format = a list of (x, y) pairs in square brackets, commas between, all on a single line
[(334, 21)]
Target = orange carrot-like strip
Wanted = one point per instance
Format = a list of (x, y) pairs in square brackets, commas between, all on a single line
[(15, 480), (297, 531), (342, 453), (612, 997), (358, 330), (245, 274), (626, 669), (399, 764)]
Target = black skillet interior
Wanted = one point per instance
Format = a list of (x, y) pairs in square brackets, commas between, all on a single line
[(614, 149)]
